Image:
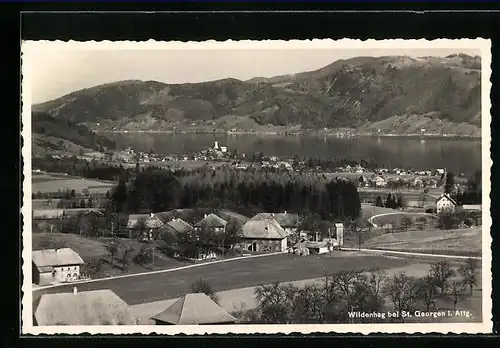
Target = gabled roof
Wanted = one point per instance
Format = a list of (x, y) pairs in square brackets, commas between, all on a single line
[(447, 196), (194, 309), (211, 220), (179, 225), (151, 221), (56, 257), (98, 307), (284, 219), (262, 229)]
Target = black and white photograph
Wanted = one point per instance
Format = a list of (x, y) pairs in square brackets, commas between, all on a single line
[(256, 186)]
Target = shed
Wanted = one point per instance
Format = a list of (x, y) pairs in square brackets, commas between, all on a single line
[(212, 221)]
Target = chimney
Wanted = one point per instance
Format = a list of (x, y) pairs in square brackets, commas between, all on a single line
[(205, 215), (285, 212), (317, 236), (151, 214), (75, 290)]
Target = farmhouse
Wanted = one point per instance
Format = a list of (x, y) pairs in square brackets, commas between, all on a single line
[(263, 235), (212, 221), (445, 204), (98, 307), (288, 221), (91, 222), (174, 226), (55, 265), (194, 309), (145, 226)]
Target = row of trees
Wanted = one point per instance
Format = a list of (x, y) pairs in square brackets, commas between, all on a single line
[(392, 201), (337, 296)]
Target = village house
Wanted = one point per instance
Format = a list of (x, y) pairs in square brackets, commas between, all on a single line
[(91, 223), (97, 307), (144, 226), (263, 235), (445, 204), (288, 221), (194, 309), (174, 227), (211, 221), (55, 266), (380, 181)]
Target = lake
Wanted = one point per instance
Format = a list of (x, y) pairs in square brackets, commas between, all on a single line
[(457, 155)]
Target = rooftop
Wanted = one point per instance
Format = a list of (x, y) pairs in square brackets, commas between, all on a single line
[(56, 257), (211, 220), (262, 229), (98, 307), (194, 309)]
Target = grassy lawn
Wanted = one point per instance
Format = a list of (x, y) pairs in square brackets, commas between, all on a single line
[(95, 249), (368, 210), (396, 217), (465, 242), (50, 184)]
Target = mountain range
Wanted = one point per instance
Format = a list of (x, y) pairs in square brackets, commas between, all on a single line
[(393, 94)]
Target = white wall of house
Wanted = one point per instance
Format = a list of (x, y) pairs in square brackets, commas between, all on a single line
[(284, 244), (66, 273), (445, 205)]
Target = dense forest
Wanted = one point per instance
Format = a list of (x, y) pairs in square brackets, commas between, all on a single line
[(155, 190)]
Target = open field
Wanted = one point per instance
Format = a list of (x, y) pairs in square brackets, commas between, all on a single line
[(236, 274), (50, 183), (244, 299), (95, 248), (369, 210), (453, 242), (396, 218)]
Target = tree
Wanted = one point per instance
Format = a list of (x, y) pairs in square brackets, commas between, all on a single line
[(467, 271), (378, 202), (455, 293), (449, 183), (276, 302), (441, 272), (402, 292), (426, 291), (119, 196), (72, 194), (126, 257), (112, 249), (201, 286), (405, 223)]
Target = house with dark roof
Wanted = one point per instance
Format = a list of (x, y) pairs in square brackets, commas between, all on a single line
[(263, 235), (55, 266), (97, 307), (144, 226), (445, 204), (194, 309), (176, 226), (212, 221)]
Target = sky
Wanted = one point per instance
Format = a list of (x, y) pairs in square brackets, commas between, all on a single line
[(56, 71)]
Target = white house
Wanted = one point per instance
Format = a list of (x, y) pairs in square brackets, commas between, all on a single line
[(56, 266), (445, 204)]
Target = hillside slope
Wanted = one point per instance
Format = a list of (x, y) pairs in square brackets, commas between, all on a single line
[(353, 93), (58, 135)]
